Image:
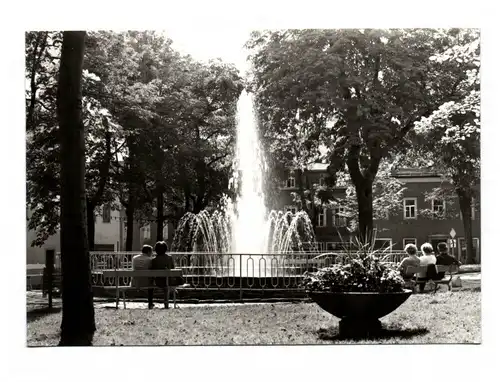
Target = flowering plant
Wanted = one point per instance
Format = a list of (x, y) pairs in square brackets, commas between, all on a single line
[(359, 272)]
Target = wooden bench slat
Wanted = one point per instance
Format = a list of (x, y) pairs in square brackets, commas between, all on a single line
[(440, 268), (143, 273), (150, 273), (448, 270)]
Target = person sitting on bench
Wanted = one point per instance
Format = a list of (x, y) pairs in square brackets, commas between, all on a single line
[(443, 258), (411, 260), (143, 262), (162, 260), (426, 259)]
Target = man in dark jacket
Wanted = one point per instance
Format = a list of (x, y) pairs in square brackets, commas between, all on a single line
[(443, 258), (162, 260)]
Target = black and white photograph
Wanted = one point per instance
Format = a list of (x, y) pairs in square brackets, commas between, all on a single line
[(337, 179), (270, 186)]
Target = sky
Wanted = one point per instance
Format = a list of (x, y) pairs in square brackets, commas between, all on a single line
[(224, 43)]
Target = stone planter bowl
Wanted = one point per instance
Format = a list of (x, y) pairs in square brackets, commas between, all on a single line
[(361, 305), (360, 311)]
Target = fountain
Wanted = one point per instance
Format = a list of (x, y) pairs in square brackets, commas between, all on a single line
[(242, 238)]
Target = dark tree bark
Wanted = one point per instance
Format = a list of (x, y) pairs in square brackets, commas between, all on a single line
[(302, 191), (78, 321), (363, 183), (364, 198), (129, 211), (90, 224), (465, 202), (200, 169), (159, 213), (187, 194), (95, 200), (132, 175)]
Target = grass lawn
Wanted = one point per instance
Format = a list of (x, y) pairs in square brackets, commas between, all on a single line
[(425, 318)]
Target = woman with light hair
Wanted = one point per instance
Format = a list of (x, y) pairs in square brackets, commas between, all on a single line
[(427, 258), (411, 260)]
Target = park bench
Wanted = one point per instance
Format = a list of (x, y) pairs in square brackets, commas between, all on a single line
[(29, 281), (150, 274), (449, 271), (54, 283)]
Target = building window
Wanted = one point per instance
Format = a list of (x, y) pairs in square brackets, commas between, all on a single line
[(146, 232), (104, 247), (438, 207), (339, 217), (292, 209), (322, 218), (106, 213), (290, 182), (409, 240), (382, 243), (322, 182), (410, 208)]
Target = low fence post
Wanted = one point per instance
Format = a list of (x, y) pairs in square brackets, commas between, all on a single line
[(49, 265), (241, 278)]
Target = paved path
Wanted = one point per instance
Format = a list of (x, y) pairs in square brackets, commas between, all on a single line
[(475, 276), (144, 305), (34, 299)]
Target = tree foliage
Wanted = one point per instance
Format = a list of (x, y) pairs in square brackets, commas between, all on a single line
[(357, 91), (451, 134), (43, 150), (159, 128)]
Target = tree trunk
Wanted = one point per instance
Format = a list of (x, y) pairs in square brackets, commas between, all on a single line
[(364, 197), (78, 321), (302, 195), (200, 169), (465, 202), (129, 211), (187, 195), (91, 225), (95, 200), (198, 204), (363, 182), (159, 214)]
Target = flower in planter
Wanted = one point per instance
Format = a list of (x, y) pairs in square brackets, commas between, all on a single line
[(361, 271)]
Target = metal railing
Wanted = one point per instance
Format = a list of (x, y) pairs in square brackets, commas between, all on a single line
[(233, 271)]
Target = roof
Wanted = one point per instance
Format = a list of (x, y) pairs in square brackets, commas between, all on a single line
[(410, 172), (317, 167)]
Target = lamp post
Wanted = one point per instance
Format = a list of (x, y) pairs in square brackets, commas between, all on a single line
[(452, 241)]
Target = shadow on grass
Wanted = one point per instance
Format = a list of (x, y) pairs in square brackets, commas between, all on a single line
[(332, 334), (36, 314)]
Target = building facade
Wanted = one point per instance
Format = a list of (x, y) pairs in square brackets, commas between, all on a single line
[(110, 235), (409, 225)]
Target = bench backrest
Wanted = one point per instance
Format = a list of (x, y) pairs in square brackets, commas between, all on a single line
[(143, 273), (440, 268)]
